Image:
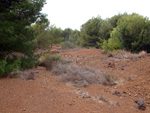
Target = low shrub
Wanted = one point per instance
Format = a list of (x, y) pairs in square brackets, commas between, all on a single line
[(8, 65), (27, 75), (109, 79), (80, 76), (48, 61), (67, 45), (29, 61)]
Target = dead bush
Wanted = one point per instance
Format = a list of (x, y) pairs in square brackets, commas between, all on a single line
[(125, 55), (122, 54), (27, 75), (142, 53), (102, 98), (70, 72), (48, 61), (79, 76), (109, 79)]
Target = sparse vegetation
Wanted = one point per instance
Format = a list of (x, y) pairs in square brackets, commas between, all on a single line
[(109, 79), (122, 54), (48, 61), (27, 75), (80, 76), (67, 45), (102, 98)]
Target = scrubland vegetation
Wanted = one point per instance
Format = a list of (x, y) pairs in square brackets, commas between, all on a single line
[(24, 29), (79, 76)]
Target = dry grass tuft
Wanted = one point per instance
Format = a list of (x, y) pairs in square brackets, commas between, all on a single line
[(27, 75), (122, 54), (109, 79), (142, 53)]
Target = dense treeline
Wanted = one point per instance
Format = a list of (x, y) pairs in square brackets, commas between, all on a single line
[(123, 31), (24, 29)]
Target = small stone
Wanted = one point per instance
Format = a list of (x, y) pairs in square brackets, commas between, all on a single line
[(124, 92), (117, 93), (141, 104), (142, 107)]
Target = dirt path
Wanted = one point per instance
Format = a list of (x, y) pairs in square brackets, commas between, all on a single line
[(46, 94)]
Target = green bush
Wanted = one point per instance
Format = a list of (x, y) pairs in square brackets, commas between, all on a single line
[(7, 66), (105, 45), (29, 61), (67, 45), (90, 32), (10, 64), (111, 45), (132, 33)]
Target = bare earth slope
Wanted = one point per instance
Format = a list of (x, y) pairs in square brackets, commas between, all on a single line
[(46, 94)]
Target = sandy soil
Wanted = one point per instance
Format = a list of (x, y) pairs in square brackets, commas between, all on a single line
[(46, 94)]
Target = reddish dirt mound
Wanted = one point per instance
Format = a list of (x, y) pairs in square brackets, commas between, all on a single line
[(46, 94)]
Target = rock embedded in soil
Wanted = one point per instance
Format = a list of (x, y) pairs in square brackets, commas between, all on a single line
[(117, 93), (141, 104)]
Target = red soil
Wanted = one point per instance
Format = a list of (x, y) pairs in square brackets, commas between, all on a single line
[(46, 94)]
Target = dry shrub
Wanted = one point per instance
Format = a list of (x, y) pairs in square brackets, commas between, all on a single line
[(27, 75), (109, 79), (48, 61), (102, 98), (142, 53), (70, 72), (82, 76), (124, 55), (79, 76)]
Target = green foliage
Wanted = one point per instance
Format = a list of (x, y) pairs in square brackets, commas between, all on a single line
[(74, 37), (132, 33), (8, 66), (112, 43), (114, 20), (47, 35), (105, 45), (15, 20), (53, 58), (55, 35), (105, 30), (70, 38), (29, 61), (48, 60), (67, 45), (66, 34), (94, 32), (90, 32), (41, 31), (16, 33)]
